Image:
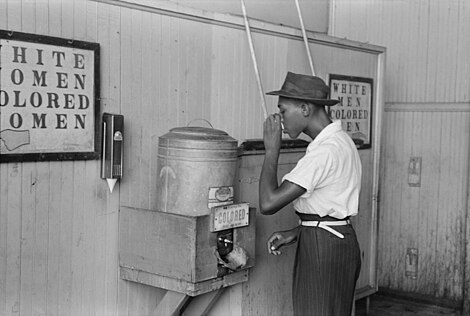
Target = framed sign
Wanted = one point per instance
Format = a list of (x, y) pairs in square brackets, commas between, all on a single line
[(49, 98), (355, 106)]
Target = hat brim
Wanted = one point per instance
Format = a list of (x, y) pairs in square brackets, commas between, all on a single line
[(281, 93)]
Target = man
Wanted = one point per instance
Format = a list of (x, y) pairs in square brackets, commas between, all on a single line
[(324, 188)]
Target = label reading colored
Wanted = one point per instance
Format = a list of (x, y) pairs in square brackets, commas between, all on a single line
[(229, 216)]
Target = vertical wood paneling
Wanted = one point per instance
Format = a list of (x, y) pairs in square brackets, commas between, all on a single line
[(53, 260), (41, 249), (429, 217), (76, 261), (41, 17), (66, 18), (225, 57), (147, 106), (65, 247), (419, 54), (155, 118), (450, 248), (383, 254), (92, 273), (131, 94), (425, 41), (429, 209), (462, 72), (28, 18), (88, 241), (407, 217), (27, 210), (81, 19), (433, 35), (168, 102), (52, 211), (12, 237), (446, 209), (236, 104), (104, 28), (3, 16), (426, 63), (15, 17), (162, 88), (55, 19), (28, 213), (3, 239)]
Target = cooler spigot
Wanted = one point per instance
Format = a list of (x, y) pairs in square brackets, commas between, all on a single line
[(225, 241)]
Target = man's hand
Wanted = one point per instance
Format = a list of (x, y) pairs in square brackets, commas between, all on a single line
[(279, 239), (272, 133)]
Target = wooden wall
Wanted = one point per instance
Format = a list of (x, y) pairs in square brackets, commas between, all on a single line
[(160, 69), (430, 218), (58, 223), (427, 109), (314, 13)]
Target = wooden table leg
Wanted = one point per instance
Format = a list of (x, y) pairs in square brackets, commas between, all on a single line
[(201, 305), (171, 304)]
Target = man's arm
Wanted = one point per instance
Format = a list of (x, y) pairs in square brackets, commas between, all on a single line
[(273, 197)]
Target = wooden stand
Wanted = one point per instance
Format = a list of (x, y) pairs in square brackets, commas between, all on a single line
[(177, 253), (182, 286)]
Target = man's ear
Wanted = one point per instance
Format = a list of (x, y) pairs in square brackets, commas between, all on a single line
[(305, 108)]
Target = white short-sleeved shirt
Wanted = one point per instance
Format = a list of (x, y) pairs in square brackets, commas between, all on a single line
[(331, 173)]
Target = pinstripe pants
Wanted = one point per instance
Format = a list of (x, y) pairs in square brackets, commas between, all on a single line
[(326, 270)]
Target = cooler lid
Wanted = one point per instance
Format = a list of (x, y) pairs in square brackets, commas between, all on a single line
[(198, 133)]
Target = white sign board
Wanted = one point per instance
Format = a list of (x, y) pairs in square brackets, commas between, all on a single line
[(355, 107), (47, 97)]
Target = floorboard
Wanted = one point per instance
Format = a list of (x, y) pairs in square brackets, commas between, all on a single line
[(381, 305)]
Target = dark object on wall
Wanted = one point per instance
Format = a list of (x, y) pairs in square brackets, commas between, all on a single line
[(112, 148)]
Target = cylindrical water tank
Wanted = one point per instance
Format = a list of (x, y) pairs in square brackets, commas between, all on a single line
[(196, 170)]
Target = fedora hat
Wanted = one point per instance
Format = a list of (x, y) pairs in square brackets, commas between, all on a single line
[(304, 87)]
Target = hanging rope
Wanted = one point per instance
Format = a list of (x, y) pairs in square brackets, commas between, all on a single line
[(253, 57)]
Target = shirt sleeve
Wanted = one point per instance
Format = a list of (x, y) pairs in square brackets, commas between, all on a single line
[(312, 170)]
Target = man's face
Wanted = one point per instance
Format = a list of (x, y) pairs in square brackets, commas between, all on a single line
[(292, 116)]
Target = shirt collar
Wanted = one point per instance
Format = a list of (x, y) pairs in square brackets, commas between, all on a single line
[(329, 130)]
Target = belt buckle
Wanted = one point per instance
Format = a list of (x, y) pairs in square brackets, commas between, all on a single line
[(331, 230)]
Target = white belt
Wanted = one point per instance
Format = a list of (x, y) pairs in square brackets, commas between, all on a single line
[(326, 225)]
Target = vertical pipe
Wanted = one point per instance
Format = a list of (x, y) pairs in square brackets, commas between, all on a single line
[(377, 130), (253, 57), (304, 35), (331, 17)]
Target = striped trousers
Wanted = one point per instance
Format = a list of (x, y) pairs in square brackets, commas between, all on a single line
[(326, 270)]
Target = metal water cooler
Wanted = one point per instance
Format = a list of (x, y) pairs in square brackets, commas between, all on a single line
[(198, 239)]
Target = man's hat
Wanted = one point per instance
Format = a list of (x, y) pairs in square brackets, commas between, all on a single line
[(303, 87)]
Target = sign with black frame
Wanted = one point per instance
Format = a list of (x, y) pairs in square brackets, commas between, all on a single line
[(49, 98), (355, 106)]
